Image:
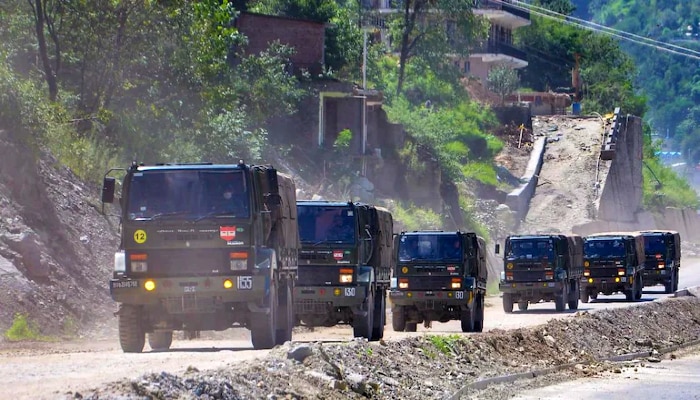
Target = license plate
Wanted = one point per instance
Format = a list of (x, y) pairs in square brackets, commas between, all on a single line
[(125, 284)]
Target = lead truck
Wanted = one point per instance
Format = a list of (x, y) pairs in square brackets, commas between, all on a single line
[(203, 247)]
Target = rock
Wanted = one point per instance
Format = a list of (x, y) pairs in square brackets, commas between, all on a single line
[(300, 352), (654, 359), (644, 342)]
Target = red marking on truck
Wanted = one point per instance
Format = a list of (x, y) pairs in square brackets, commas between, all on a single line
[(227, 233), (338, 254)]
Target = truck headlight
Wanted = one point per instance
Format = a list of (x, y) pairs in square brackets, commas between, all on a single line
[(403, 283), (119, 262), (345, 278)]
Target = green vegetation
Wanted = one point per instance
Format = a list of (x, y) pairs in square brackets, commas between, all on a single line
[(671, 82), (412, 218), (22, 329), (445, 344)]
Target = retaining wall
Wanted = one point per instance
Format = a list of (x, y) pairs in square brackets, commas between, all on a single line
[(518, 200)]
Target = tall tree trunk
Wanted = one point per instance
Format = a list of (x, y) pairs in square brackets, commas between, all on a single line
[(49, 74)]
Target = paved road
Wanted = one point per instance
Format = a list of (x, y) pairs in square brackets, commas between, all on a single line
[(668, 380)]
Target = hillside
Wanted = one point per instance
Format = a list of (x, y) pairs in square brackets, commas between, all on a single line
[(56, 249)]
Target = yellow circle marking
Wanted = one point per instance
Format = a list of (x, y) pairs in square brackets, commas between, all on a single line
[(404, 270), (140, 236)]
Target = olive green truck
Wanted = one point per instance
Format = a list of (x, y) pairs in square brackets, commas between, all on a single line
[(203, 247)]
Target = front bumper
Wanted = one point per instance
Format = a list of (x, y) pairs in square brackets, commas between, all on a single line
[(426, 297), (656, 276), (530, 287), (608, 283), (252, 289)]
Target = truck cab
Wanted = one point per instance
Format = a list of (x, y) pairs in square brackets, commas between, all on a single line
[(662, 251), (344, 266), (613, 262), (439, 276), (541, 267)]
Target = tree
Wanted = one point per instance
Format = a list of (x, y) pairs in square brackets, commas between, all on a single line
[(434, 30), (503, 81)]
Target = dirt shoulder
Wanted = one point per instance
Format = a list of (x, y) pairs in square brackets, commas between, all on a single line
[(427, 366)]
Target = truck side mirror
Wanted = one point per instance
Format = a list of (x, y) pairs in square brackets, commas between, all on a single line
[(108, 185), (498, 248)]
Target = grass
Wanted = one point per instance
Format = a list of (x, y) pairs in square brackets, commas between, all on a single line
[(22, 329), (445, 344)]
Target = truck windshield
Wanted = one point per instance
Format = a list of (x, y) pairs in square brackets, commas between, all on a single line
[(430, 247), (322, 224), (604, 248), (654, 245), (189, 194), (528, 248)]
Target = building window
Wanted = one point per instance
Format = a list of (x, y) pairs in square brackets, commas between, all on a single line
[(467, 67)]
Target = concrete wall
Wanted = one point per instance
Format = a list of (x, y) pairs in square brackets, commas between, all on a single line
[(518, 200), (621, 199)]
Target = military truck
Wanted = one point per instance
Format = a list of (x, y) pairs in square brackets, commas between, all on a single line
[(613, 262), (203, 247), (439, 276), (662, 250), (344, 266), (541, 267)]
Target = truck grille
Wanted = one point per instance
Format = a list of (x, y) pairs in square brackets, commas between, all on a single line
[(528, 276), (309, 306), (189, 303), (430, 283), (190, 262)]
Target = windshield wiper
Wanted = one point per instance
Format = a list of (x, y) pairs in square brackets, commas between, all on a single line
[(161, 215), (213, 214)]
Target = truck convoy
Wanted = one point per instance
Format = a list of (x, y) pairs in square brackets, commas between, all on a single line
[(613, 262), (439, 276), (541, 267), (344, 266), (662, 250), (203, 247)]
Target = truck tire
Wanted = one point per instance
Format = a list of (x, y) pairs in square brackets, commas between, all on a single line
[(668, 286), (676, 272), (583, 295), (362, 326), (263, 326), (574, 295), (522, 305), (507, 303), (411, 326), (639, 285), (379, 315), (285, 315), (160, 340), (398, 319), (594, 295), (467, 319), (479, 320), (559, 302), (132, 337)]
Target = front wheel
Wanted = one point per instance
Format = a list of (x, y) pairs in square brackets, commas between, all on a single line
[(263, 325), (507, 303), (467, 319), (379, 315), (574, 295), (362, 326), (479, 321), (285, 321), (160, 340), (411, 326), (398, 318), (132, 337)]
